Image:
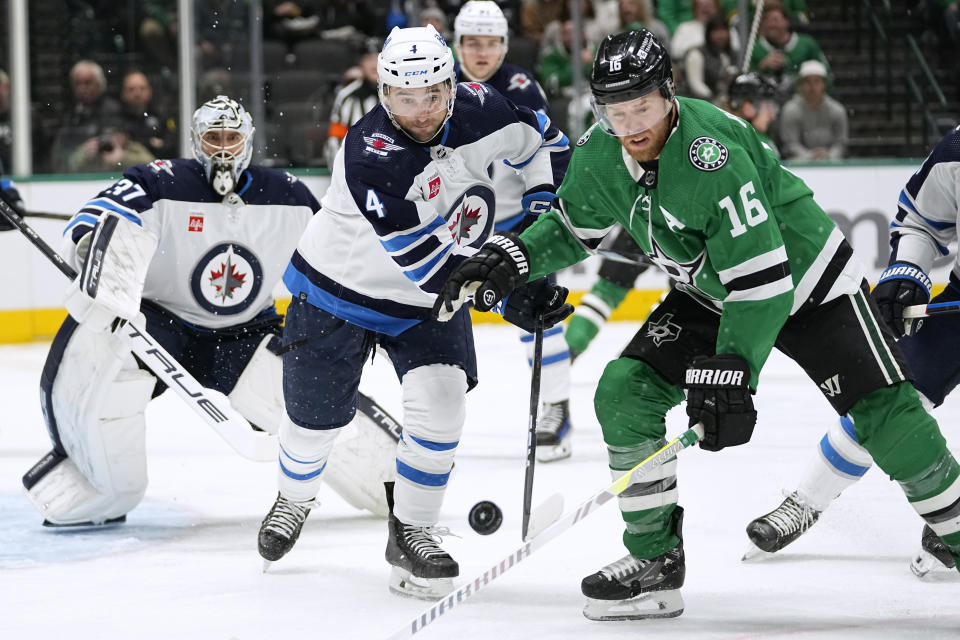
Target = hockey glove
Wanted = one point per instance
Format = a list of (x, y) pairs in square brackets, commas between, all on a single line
[(718, 395), (10, 195), (497, 269), (901, 284), (537, 298)]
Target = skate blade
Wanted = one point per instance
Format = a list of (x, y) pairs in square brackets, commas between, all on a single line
[(552, 453), (657, 604), (404, 583), (923, 562), (755, 554), (266, 565)]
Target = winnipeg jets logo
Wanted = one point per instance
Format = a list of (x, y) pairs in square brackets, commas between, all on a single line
[(663, 330), (380, 146), (708, 154), (519, 81), (227, 279), (470, 218), (162, 165), (683, 272)]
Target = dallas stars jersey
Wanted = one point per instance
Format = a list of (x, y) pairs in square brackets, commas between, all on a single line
[(399, 216), (218, 258), (929, 209), (717, 212), (520, 87)]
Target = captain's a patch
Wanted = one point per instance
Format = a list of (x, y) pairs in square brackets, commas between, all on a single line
[(708, 154)]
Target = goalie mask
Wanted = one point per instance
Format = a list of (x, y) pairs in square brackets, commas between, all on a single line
[(416, 82), (222, 135), (631, 83)]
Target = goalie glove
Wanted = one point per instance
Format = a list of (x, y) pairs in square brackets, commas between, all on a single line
[(111, 280), (498, 268), (902, 284), (718, 395)]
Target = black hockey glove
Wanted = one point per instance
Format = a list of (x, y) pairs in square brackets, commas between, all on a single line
[(901, 285), (718, 395), (498, 268), (539, 297)]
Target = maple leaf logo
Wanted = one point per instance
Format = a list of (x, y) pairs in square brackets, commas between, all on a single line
[(470, 218), (378, 143), (227, 279)]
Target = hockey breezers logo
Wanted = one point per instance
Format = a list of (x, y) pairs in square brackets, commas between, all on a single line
[(831, 386)]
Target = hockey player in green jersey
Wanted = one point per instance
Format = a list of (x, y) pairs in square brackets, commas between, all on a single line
[(757, 263)]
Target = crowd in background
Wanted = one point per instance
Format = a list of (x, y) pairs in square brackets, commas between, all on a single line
[(319, 76)]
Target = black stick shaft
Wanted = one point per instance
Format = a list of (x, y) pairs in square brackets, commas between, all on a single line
[(532, 426), (7, 212)]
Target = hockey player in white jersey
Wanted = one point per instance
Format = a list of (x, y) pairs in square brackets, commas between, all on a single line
[(195, 246), (928, 212), (481, 42), (411, 197)]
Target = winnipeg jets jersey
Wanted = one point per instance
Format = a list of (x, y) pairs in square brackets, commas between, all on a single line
[(399, 216), (520, 87), (218, 258), (929, 209)]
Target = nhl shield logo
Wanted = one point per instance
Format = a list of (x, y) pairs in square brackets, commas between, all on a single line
[(708, 154), (227, 279)]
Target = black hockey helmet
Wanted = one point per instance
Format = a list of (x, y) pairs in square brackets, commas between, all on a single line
[(629, 65), (751, 87)]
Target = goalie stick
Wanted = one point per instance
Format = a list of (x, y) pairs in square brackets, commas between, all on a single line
[(210, 405), (541, 536)]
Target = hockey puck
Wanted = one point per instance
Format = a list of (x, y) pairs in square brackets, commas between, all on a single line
[(485, 517)]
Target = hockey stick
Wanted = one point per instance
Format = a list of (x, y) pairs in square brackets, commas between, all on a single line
[(532, 425), (49, 216), (664, 454), (211, 405), (933, 309)]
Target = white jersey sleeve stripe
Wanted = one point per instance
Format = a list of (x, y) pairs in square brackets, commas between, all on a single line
[(758, 263)]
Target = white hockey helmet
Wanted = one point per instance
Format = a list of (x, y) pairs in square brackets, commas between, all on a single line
[(415, 58), (222, 163), (480, 18)]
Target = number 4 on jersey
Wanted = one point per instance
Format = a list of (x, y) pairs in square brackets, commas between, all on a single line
[(374, 204), (752, 208)]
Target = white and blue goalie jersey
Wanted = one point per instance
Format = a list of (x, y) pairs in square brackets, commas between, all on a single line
[(218, 258), (399, 216), (929, 209)]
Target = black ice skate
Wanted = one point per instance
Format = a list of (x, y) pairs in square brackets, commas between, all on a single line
[(281, 528), (421, 569), (553, 432), (933, 552), (634, 588), (772, 532)]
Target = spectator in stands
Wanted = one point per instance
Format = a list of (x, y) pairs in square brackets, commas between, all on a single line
[(158, 32), (779, 51), (112, 152), (636, 14), (142, 120), (754, 98), (291, 20), (92, 110), (542, 19), (6, 131), (796, 11), (351, 103), (437, 18), (691, 34), (813, 126), (709, 68), (351, 20), (555, 70), (218, 23)]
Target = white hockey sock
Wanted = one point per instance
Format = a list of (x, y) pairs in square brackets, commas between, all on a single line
[(555, 371), (303, 456), (839, 462)]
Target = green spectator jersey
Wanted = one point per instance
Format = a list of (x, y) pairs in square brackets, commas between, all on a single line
[(799, 48), (721, 216)]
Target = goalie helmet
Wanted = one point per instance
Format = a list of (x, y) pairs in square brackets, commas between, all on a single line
[(222, 162), (751, 87), (415, 58), (481, 18), (629, 66)]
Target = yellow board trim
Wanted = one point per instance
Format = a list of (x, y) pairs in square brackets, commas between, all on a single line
[(42, 324)]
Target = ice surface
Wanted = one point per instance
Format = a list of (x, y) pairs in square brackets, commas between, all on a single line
[(185, 564)]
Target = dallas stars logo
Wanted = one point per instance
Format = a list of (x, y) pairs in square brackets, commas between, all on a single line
[(663, 330), (708, 154), (227, 279)]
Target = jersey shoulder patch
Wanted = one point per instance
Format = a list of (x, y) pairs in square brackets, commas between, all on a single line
[(708, 154)]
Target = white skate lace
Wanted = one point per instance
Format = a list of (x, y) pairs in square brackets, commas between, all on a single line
[(792, 516), (623, 567), (553, 418), (424, 541), (286, 516)]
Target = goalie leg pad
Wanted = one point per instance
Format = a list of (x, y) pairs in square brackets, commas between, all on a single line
[(97, 401), (258, 394), (434, 409), (365, 458)]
